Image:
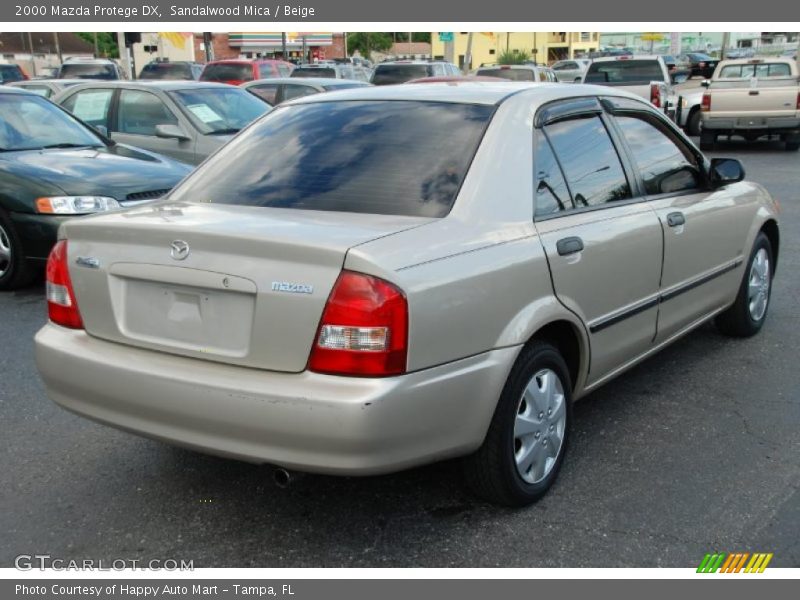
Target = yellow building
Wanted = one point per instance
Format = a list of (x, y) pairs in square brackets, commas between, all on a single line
[(541, 46)]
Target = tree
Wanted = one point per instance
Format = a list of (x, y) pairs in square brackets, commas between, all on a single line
[(106, 43), (368, 41), (513, 58)]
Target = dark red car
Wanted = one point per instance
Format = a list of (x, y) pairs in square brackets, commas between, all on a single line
[(237, 71)]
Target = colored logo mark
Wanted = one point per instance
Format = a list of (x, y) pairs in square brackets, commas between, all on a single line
[(736, 562)]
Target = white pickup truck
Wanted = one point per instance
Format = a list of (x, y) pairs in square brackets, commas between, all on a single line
[(752, 98)]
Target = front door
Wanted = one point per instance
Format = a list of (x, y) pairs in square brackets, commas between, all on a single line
[(604, 245)]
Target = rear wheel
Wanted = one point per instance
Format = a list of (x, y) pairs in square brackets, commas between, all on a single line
[(694, 125), (15, 271), (748, 313), (708, 140), (527, 438)]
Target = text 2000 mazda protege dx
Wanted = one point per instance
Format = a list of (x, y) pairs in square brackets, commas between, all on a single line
[(374, 279)]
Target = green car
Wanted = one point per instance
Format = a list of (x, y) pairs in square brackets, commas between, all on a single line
[(54, 167)]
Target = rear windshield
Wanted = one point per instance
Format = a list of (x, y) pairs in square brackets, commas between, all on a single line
[(87, 71), (301, 72), (755, 70), (624, 72), (389, 74), (9, 73), (379, 157), (510, 74), (166, 71), (227, 72)]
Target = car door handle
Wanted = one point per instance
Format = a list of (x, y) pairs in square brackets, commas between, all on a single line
[(675, 219), (754, 92), (569, 245)]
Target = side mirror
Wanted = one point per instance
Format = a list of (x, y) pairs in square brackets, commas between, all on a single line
[(706, 83), (724, 171), (170, 131)]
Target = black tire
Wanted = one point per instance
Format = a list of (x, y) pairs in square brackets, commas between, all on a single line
[(708, 140), (738, 321), (17, 272), (492, 472), (694, 126)]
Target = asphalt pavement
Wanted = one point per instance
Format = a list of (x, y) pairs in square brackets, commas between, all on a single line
[(696, 450)]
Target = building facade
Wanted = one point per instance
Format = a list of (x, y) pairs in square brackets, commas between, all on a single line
[(319, 46), (541, 46), (38, 53)]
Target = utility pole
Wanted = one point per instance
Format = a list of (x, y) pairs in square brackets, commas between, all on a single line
[(283, 45), (58, 48), (468, 54), (305, 50), (33, 56), (123, 54), (96, 46), (207, 45), (726, 40)]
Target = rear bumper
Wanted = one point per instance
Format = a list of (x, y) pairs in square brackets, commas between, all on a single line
[(304, 421), (770, 124)]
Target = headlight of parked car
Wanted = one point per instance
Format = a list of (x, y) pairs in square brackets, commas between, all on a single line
[(75, 205)]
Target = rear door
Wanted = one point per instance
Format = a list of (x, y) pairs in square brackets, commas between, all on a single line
[(602, 239), (702, 228)]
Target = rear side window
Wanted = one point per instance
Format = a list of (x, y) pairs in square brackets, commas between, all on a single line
[(510, 74), (624, 72), (390, 74), (590, 161), (379, 157), (297, 91), (268, 92), (665, 168), (552, 195), (227, 72)]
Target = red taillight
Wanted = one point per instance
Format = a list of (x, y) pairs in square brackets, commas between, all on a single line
[(705, 105), (655, 95), (61, 304), (364, 329)]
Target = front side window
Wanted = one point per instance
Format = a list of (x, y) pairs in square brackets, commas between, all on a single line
[(590, 161), (664, 167), (139, 112), (90, 106), (377, 157)]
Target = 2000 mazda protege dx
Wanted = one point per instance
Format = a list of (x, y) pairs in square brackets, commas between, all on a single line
[(373, 279)]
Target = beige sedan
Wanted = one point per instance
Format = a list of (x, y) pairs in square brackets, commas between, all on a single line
[(369, 280)]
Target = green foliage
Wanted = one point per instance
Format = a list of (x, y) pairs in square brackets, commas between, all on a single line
[(513, 58), (106, 43), (368, 41)]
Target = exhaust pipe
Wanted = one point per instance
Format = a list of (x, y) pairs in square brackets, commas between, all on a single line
[(283, 478)]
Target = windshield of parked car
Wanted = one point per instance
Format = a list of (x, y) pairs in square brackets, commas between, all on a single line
[(390, 74), (166, 71), (219, 110), (9, 73), (314, 72), (227, 72), (700, 57), (29, 122), (624, 72), (87, 71), (510, 74), (379, 157)]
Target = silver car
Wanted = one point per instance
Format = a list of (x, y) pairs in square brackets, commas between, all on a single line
[(281, 89), (571, 71), (186, 120), (48, 88), (470, 260)]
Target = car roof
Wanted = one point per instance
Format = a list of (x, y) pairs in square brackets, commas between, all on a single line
[(309, 81), (6, 89), (506, 67), (627, 58), (152, 84), (244, 61), (469, 92)]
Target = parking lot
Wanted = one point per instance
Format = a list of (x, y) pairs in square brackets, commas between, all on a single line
[(696, 450)]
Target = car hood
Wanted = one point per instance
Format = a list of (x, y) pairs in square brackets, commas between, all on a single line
[(115, 171)]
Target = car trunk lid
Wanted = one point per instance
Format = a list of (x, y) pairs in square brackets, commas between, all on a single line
[(235, 284)]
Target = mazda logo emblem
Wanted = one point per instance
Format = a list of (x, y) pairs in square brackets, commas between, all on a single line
[(179, 250)]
